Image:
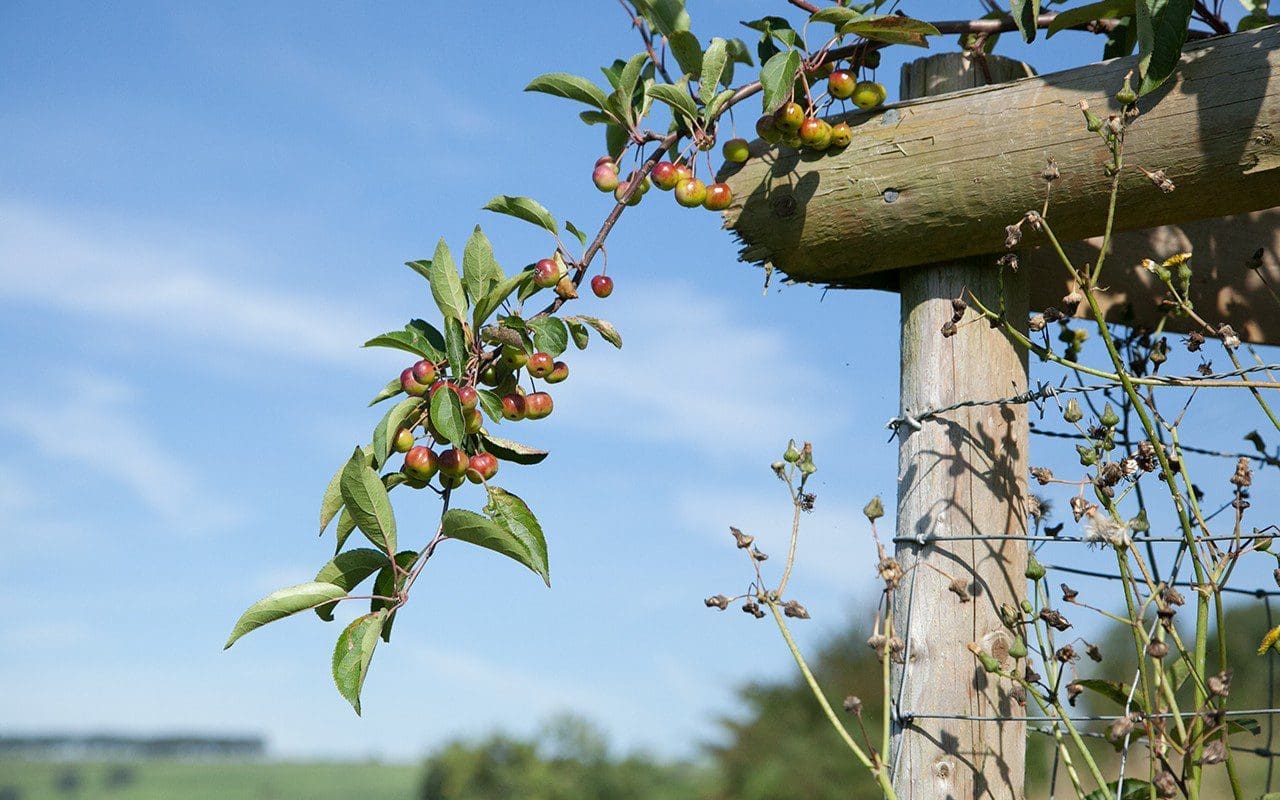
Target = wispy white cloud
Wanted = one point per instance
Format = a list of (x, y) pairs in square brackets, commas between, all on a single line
[(116, 446), (692, 371), (145, 281)]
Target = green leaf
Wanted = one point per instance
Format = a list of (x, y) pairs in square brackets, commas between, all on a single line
[(428, 333), (603, 327), (514, 452), (331, 503), (1244, 725), (688, 52), (392, 389), (676, 96), (571, 228), (596, 117), (455, 338), (421, 266), (578, 332), (572, 87), (1133, 790), (347, 571), (524, 208), (491, 405), (446, 415), (1114, 691), (629, 78), (1122, 39), (835, 15), (480, 270), (549, 335), (390, 424), (283, 603), (367, 502), (892, 28), (1162, 30), (387, 584), (346, 524), (408, 341), (776, 28), (353, 653), (777, 76), (1025, 14), (446, 287), (1106, 9), (717, 103), (491, 534), (713, 64), (616, 140), (498, 294), (664, 16)]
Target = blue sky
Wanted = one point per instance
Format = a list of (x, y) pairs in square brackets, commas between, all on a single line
[(202, 215)]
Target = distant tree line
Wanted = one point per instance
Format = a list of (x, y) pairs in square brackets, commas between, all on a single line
[(131, 747)]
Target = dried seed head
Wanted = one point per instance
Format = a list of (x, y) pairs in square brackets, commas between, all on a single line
[(1214, 752), (1093, 652), (876, 642), (1194, 341), (1157, 649), (1080, 507), (1172, 596), (1042, 475), (1050, 173), (949, 329), (959, 306), (1228, 335), (890, 572), (1120, 729), (807, 499), (1074, 690), (1244, 473), (1066, 654), (780, 469), (1069, 594), (753, 609), (1166, 785), (794, 610), (853, 704), (757, 555), (1037, 506), (1009, 260), (1037, 323), (1012, 235), (717, 601), (1054, 619), (744, 541), (1160, 180), (959, 589), (1220, 684), (1030, 675)]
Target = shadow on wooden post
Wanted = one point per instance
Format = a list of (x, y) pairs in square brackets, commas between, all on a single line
[(965, 475)]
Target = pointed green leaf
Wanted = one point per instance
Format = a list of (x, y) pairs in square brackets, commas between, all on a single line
[(499, 293), (408, 341), (1162, 30), (446, 415), (491, 404), (713, 64), (331, 504), (392, 389), (892, 28), (572, 87), (446, 286), (603, 327), (390, 424), (776, 77), (346, 524), (480, 270), (283, 603), (629, 78), (578, 332), (353, 653), (717, 104), (1025, 14), (347, 571), (429, 334), (676, 96), (571, 228), (421, 266), (524, 208), (455, 338), (367, 502), (835, 15), (687, 51), (549, 335), (514, 452), (495, 535), (667, 17), (1106, 9)]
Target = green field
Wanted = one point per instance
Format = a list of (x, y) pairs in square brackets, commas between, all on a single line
[(175, 780)]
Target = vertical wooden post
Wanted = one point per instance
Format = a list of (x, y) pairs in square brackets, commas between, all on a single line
[(964, 475)]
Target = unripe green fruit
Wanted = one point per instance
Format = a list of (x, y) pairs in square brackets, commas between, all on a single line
[(869, 94), (452, 481), (719, 197), (841, 134), (1018, 649), (483, 466), (453, 462), (789, 118), (620, 194), (736, 151), (514, 357), (665, 175), (792, 454), (540, 365), (558, 372), (683, 172), (473, 421), (538, 405), (767, 130), (1109, 416), (691, 193), (841, 84), (404, 441), (420, 463)]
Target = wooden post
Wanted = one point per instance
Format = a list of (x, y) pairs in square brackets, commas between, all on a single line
[(962, 476)]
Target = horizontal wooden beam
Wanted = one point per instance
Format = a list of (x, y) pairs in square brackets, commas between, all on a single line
[(940, 178)]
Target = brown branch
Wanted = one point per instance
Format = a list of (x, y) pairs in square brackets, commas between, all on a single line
[(1211, 19), (804, 5)]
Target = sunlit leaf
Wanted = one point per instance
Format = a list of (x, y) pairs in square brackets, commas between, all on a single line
[(524, 208), (352, 654), (367, 502), (572, 87), (284, 603)]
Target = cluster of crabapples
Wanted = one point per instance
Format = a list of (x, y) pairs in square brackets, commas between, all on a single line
[(668, 176), (792, 126), (455, 465)]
